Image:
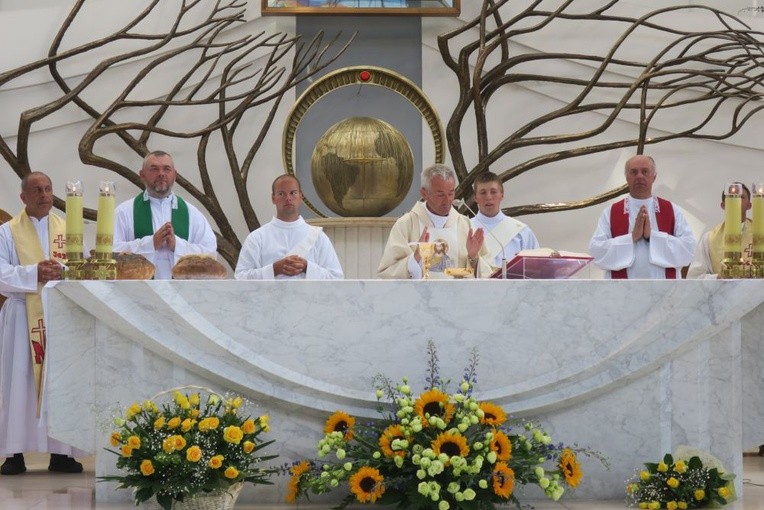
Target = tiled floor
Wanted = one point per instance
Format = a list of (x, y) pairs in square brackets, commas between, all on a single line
[(39, 490)]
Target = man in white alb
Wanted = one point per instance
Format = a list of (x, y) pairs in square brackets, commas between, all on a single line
[(710, 251), (286, 246), (434, 220), (160, 225), (507, 236), (642, 236), (32, 245)]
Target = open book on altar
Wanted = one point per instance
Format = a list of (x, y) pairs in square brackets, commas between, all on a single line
[(544, 263)]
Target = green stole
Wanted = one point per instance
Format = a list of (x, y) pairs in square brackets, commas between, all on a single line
[(142, 221)]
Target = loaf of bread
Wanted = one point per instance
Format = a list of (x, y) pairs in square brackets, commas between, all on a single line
[(198, 267), (131, 266)]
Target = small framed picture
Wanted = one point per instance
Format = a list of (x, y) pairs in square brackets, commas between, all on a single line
[(362, 7)]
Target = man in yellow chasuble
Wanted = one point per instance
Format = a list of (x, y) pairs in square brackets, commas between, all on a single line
[(31, 246)]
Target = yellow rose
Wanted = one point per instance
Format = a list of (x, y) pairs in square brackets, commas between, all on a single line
[(179, 442), (195, 400), (181, 400), (168, 445), (248, 426), (194, 454), (127, 451), (232, 434), (147, 468), (654, 505), (644, 475), (216, 462), (116, 438), (187, 424), (723, 492), (699, 494), (682, 505), (134, 442), (133, 410), (248, 447), (672, 482), (643, 505), (231, 472), (174, 423), (159, 423), (195, 413), (236, 403), (680, 466), (671, 505), (150, 406), (662, 468), (208, 424), (264, 423)]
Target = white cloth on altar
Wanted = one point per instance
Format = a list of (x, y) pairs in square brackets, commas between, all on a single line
[(20, 428), (643, 259), (525, 239), (398, 258), (201, 238), (277, 239)]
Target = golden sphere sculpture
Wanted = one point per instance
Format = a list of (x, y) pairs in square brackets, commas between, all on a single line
[(362, 166)]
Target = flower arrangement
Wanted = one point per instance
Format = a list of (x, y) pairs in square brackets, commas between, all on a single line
[(184, 448), (688, 482), (438, 450)]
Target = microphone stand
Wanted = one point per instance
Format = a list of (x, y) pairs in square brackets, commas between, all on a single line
[(458, 203)]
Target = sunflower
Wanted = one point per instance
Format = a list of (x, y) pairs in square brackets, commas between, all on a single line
[(492, 414), (452, 444), (366, 484), (501, 445), (570, 467), (503, 480), (434, 403), (386, 439), (294, 483), (340, 422)]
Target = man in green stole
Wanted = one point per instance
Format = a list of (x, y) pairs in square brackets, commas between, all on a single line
[(32, 245), (710, 250), (158, 224)]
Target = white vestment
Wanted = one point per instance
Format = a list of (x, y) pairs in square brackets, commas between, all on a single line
[(505, 236), (201, 238), (20, 428), (643, 259), (277, 239), (398, 258)]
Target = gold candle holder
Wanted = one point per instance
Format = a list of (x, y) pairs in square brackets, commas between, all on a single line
[(74, 232), (732, 266), (757, 203), (104, 265)]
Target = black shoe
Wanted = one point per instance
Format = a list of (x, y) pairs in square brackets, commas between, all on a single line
[(63, 464), (13, 465), (761, 450)]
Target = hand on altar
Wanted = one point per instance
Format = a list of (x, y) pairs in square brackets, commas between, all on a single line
[(290, 265), (48, 270), (474, 243), (424, 238)]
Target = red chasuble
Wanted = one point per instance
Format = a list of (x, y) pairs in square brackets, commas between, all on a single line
[(619, 225)]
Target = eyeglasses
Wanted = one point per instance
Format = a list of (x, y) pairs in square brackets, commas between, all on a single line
[(282, 194)]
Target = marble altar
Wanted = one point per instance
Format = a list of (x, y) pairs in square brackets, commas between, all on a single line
[(632, 368)]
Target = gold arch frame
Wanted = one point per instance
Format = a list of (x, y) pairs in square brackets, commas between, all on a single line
[(359, 75)]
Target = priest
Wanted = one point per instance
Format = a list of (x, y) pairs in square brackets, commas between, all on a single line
[(32, 248), (287, 247), (642, 236), (507, 236), (158, 224), (433, 219), (710, 251)]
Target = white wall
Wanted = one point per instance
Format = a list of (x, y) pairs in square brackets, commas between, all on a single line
[(691, 173)]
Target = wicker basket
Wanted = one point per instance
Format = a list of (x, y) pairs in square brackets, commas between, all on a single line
[(219, 500)]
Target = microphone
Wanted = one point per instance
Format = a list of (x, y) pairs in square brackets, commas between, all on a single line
[(459, 203)]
